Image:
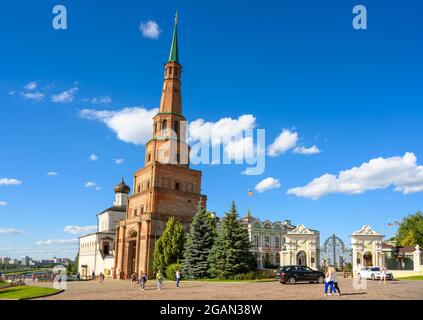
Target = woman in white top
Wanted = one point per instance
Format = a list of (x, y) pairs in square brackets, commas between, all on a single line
[(383, 275)]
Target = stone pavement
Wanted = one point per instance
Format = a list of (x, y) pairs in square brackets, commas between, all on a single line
[(197, 290)]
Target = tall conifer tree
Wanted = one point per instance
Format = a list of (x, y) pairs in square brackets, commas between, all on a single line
[(198, 245), (231, 253)]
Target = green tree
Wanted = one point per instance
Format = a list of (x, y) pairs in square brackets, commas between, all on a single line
[(231, 254), (410, 231), (169, 247), (198, 245), (72, 268)]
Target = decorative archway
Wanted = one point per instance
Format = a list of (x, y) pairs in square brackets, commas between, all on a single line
[(301, 258), (334, 251), (368, 259)]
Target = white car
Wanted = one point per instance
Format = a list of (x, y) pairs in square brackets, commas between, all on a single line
[(373, 273)]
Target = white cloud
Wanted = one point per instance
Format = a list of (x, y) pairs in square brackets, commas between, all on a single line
[(80, 229), (56, 242), (97, 188), (401, 172), (34, 96), (5, 231), (132, 125), (3, 203), (284, 142), (52, 173), (119, 161), (150, 29), (267, 184), (31, 86), (238, 150), (9, 182), (11, 92), (221, 130), (93, 157), (307, 151), (66, 96), (90, 184), (101, 100)]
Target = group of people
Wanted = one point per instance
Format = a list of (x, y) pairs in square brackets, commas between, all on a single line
[(331, 282), (142, 279)]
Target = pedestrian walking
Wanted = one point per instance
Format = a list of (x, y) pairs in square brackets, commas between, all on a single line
[(143, 280), (329, 282), (133, 279), (178, 277), (382, 275), (159, 278), (335, 281)]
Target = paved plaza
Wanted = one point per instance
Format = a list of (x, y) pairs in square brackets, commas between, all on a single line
[(197, 290)]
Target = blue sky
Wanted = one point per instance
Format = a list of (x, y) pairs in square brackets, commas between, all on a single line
[(295, 65)]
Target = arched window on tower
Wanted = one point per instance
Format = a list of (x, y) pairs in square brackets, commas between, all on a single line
[(164, 124), (176, 127)]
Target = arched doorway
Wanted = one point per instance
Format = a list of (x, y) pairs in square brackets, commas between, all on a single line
[(132, 249), (368, 259), (301, 258)]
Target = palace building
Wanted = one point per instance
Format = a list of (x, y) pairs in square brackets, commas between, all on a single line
[(165, 187)]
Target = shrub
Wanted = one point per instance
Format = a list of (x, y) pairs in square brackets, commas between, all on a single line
[(171, 270)]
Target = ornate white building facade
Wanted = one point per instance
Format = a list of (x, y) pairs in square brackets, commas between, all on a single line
[(302, 247), (96, 250), (367, 248), (281, 243)]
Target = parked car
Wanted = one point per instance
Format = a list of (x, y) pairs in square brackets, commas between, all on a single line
[(373, 273), (293, 274)]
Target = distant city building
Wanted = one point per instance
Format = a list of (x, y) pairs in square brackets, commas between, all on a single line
[(26, 261), (6, 260), (96, 250)]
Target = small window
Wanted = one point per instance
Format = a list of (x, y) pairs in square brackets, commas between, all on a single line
[(177, 186), (135, 212), (149, 157), (176, 127), (139, 188), (164, 124), (148, 184)]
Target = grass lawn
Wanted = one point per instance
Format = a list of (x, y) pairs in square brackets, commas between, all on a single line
[(25, 292), (411, 278)]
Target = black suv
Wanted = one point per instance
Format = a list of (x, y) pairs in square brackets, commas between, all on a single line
[(293, 274)]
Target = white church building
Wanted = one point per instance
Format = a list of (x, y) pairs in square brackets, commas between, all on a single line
[(96, 250)]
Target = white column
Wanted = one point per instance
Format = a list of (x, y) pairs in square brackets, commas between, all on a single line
[(417, 256)]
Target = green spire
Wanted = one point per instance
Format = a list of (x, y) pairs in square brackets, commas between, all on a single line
[(173, 56)]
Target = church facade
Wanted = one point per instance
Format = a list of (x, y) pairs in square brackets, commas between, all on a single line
[(165, 187), (96, 250)]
